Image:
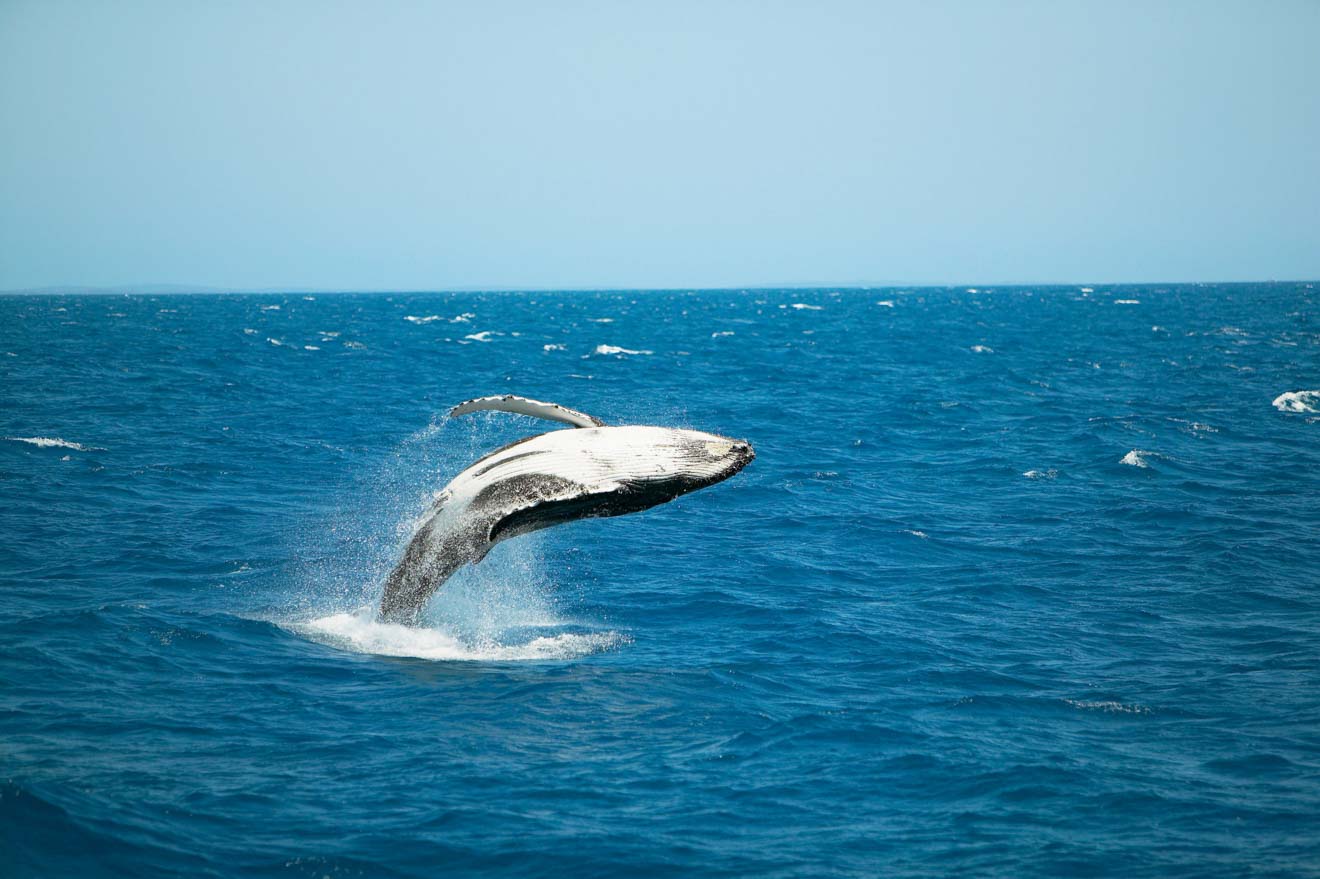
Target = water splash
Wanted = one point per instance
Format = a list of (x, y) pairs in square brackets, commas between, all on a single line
[(503, 608)]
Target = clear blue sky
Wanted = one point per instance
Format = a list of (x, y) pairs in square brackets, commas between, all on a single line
[(433, 146)]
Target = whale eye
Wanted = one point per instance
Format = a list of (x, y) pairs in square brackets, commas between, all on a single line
[(718, 450)]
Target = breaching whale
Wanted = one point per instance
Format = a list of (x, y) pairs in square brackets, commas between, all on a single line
[(546, 480)]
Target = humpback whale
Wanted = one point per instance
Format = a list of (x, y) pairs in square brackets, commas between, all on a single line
[(591, 471)]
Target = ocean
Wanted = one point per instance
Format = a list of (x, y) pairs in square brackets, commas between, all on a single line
[(1022, 582)]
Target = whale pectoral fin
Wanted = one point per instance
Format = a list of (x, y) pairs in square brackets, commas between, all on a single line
[(524, 406)]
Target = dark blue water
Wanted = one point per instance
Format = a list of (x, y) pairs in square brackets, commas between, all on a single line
[(1021, 582)]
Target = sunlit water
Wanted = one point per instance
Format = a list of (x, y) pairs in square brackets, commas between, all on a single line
[(1021, 582)]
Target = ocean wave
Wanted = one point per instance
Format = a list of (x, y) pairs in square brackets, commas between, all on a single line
[(424, 319), (1108, 706), (361, 632), (553, 347), (49, 442), (483, 336), (1041, 474), (615, 349), (1137, 458), (1298, 401), (982, 349)]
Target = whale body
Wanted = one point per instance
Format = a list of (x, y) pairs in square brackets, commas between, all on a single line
[(591, 471)]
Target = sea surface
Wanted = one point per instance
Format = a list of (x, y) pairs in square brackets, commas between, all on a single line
[(1022, 582)]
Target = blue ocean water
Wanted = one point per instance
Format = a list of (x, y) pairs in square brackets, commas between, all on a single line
[(1021, 582)]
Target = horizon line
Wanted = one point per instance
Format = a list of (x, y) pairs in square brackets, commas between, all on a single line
[(201, 289)]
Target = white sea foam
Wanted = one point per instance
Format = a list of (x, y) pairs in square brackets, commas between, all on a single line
[(1127, 301), (615, 349), (276, 342), (1136, 458), (887, 303), (53, 442), (721, 334), (1109, 707), (1088, 289), (982, 349), (553, 347), (802, 306), (361, 632), (483, 336), (922, 534), (270, 308), (1041, 474), (249, 331), (462, 318), (1298, 401), (602, 320), (310, 348), (425, 319)]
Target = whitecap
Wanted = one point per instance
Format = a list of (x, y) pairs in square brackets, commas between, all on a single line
[(53, 442), (721, 334), (922, 534), (275, 342), (249, 331), (1087, 289), (426, 319), (553, 347), (1109, 706), (462, 318), (982, 349), (270, 308), (361, 632), (887, 303), (310, 348), (1127, 301), (615, 349), (802, 306), (1298, 401), (1041, 474), (601, 320), (1136, 458), (483, 336)]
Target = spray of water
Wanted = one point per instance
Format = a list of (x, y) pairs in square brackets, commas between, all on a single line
[(501, 609)]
